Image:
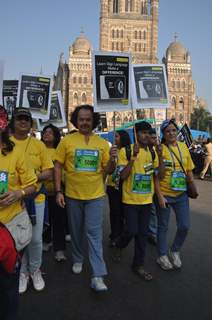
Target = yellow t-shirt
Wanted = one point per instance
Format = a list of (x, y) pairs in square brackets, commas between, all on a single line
[(84, 164), (187, 162), (49, 185), (138, 188), (37, 157), (20, 176)]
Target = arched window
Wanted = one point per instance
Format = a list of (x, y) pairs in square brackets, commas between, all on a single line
[(173, 102), (135, 34), (144, 34), (117, 46), (181, 103), (113, 34), (85, 80), (113, 47), (74, 80), (117, 33), (75, 99), (128, 5), (84, 99), (80, 80), (183, 85), (173, 84), (139, 34), (115, 6), (122, 34), (178, 84)]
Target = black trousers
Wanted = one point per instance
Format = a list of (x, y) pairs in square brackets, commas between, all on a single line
[(136, 226), (9, 295), (116, 212), (57, 228)]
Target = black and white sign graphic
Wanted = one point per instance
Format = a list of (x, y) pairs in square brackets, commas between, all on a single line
[(10, 90), (111, 75), (149, 86), (57, 113), (34, 92)]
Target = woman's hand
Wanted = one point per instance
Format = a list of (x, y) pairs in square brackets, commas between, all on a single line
[(10, 197), (135, 150), (162, 201)]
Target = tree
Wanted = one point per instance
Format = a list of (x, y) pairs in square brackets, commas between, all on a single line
[(201, 119)]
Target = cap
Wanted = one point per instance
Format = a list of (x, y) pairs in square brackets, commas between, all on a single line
[(22, 112), (166, 123)]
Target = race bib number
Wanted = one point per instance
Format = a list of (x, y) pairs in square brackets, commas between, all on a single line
[(142, 184), (148, 168), (3, 182), (178, 181), (86, 160)]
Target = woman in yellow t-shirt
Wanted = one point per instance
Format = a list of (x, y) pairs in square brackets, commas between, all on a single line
[(57, 215), (39, 160), (16, 181), (114, 189), (171, 193)]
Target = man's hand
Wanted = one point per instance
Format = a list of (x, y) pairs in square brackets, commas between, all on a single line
[(60, 200), (135, 150)]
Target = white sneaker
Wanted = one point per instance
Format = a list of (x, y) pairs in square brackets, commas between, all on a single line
[(164, 263), (23, 282), (175, 258), (37, 280), (98, 284), (77, 267), (60, 256), (47, 246)]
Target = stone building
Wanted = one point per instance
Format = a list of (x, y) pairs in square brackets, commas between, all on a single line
[(180, 82), (127, 26)]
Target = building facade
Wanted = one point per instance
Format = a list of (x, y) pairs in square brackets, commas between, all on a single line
[(127, 26), (181, 85)]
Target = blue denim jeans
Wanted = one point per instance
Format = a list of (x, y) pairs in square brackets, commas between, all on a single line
[(180, 206), (86, 219), (32, 257), (153, 222)]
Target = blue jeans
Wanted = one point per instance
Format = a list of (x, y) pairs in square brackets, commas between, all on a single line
[(32, 257), (180, 205), (86, 218), (153, 222)]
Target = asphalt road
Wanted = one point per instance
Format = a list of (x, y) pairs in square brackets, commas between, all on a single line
[(184, 294)]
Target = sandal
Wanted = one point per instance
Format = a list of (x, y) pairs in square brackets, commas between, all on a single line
[(145, 275)]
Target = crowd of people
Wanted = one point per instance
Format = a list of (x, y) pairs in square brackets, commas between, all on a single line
[(58, 180)]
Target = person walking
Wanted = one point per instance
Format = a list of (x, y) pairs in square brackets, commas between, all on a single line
[(57, 215), (39, 160), (114, 189), (138, 189), (87, 160), (171, 193), (208, 159), (17, 181)]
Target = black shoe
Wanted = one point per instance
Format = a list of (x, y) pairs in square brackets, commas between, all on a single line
[(143, 274), (116, 254), (152, 240)]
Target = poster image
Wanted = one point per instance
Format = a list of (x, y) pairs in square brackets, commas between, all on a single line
[(57, 113), (1, 79), (150, 88), (34, 92), (111, 77), (10, 90)]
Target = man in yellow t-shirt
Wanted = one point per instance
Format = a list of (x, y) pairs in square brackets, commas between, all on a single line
[(87, 160), (138, 190)]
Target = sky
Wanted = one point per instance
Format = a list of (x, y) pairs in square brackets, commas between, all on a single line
[(34, 33)]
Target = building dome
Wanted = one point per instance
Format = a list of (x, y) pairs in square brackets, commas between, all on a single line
[(81, 45), (176, 52)]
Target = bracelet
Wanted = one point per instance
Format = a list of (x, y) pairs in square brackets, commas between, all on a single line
[(58, 191), (23, 192)]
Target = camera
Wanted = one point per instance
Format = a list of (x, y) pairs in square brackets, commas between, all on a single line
[(151, 89), (36, 99), (112, 87)]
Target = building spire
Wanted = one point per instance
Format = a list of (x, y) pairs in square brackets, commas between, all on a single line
[(175, 37)]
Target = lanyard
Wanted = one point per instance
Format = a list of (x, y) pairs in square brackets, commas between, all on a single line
[(171, 154)]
